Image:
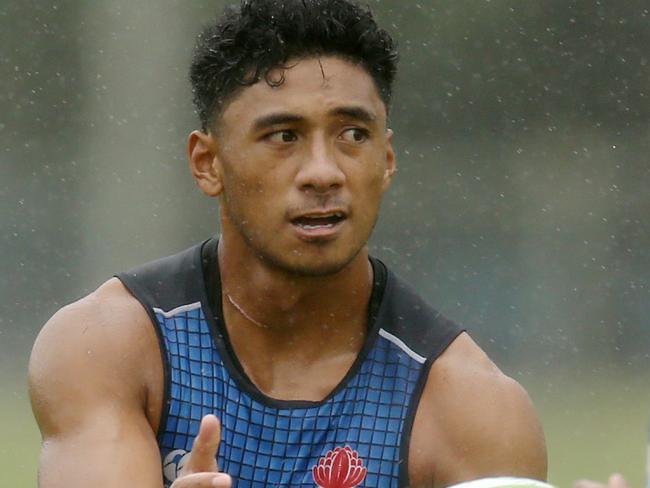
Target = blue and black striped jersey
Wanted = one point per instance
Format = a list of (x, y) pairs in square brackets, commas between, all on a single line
[(357, 436)]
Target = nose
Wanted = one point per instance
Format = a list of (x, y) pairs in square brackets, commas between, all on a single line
[(320, 171)]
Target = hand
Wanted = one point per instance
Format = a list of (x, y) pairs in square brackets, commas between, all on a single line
[(615, 481), (200, 470)]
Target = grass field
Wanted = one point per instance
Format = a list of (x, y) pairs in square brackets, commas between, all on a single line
[(19, 437), (592, 429)]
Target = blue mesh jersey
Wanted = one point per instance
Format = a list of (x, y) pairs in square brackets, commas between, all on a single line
[(267, 442)]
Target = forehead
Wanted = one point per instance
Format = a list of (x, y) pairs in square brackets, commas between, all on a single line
[(309, 87)]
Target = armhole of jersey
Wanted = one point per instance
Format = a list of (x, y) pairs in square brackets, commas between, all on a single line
[(404, 478), (139, 294), (422, 333)]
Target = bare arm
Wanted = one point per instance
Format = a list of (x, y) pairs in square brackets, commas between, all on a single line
[(90, 373), (474, 422)]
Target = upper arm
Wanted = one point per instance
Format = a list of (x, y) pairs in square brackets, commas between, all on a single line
[(475, 422), (89, 396), (504, 436)]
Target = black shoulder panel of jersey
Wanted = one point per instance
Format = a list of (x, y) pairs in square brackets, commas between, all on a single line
[(169, 282), (408, 317), (166, 284)]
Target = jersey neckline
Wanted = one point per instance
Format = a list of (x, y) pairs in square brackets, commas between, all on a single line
[(212, 306)]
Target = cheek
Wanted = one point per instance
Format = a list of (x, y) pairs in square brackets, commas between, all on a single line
[(253, 174), (371, 182), (241, 180), (250, 188), (367, 197), (253, 196), (373, 190)]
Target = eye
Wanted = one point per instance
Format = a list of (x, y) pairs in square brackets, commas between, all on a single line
[(354, 135), (282, 137)]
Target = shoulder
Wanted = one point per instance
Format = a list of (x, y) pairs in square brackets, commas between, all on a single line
[(478, 422), (406, 316), (97, 348), (107, 320)]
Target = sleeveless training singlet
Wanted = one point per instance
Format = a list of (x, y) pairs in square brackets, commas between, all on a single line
[(357, 436)]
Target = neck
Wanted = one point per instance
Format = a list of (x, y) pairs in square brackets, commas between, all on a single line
[(281, 302), (295, 336)]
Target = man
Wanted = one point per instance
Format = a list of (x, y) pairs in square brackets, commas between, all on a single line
[(280, 354)]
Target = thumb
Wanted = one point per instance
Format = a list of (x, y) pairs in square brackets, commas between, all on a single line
[(617, 481), (203, 458)]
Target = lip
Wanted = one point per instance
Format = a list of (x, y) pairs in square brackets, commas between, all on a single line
[(325, 212), (320, 232)]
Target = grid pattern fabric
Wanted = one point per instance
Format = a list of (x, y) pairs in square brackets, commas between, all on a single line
[(266, 446)]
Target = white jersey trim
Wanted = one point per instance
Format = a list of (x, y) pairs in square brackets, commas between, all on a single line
[(177, 310), (399, 343)]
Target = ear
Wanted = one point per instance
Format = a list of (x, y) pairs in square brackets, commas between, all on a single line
[(391, 165), (204, 162)]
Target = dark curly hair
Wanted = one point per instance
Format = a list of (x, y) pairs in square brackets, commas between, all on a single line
[(247, 42)]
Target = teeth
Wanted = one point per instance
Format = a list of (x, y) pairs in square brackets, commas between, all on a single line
[(319, 221), (325, 216), (313, 227)]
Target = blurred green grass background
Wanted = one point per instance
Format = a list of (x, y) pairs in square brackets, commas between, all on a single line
[(593, 427)]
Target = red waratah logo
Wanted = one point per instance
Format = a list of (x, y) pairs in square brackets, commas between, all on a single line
[(340, 468)]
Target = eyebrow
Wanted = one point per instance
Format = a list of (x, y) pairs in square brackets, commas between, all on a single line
[(350, 112), (354, 112), (276, 119)]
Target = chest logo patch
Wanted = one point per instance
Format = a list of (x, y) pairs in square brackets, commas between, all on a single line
[(340, 468), (173, 464)]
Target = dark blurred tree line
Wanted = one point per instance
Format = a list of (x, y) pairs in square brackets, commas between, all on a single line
[(522, 130)]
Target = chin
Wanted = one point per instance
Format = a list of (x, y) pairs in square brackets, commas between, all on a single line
[(316, 270), (314, 265)]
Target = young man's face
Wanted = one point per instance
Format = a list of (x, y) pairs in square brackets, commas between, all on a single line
[(304, 165)]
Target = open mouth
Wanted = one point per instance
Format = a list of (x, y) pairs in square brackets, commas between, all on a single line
[(319, 221)]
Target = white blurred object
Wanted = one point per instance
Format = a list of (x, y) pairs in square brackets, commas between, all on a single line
[(503, 482)]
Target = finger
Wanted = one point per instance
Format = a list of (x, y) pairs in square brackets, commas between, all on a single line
[(588, 484), (203, 480), (617, 481), (203, 457)]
